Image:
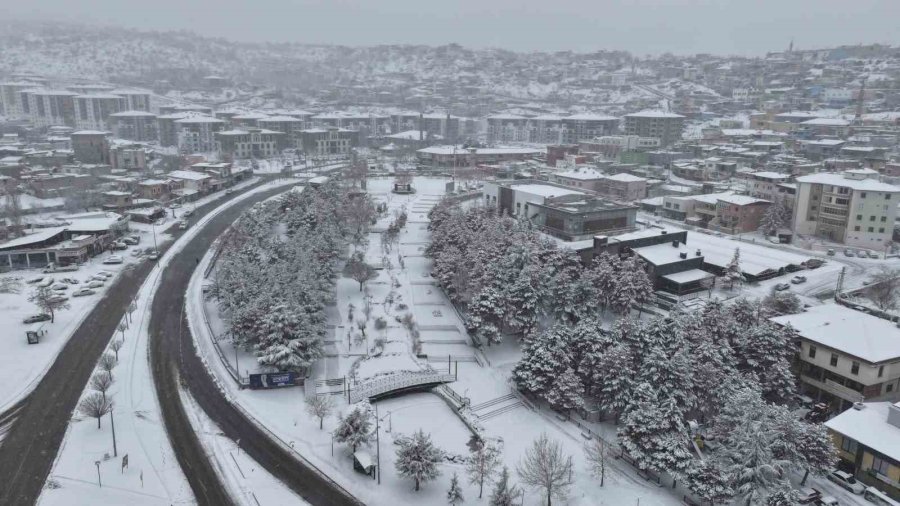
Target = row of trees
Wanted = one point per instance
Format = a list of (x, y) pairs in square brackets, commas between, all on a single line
[(656, 377), (510, 279), (276, 274)]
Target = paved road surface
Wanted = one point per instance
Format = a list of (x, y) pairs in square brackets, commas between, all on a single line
[(34, 437), (173, 359)]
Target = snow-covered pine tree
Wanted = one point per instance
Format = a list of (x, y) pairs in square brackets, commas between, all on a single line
[(566, 393), (355, 429), (418, 458), (454, 494), (287, 339), (733, 272), (750, 462), (545, 357), (708, 481), (775, 217), (504, 494)]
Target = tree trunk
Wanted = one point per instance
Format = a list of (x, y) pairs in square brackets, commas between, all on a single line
[(417, 484), (320, 423), (98, 422), (549, 497), (805, 476), (52, 314), (480, 488), (360, 286)]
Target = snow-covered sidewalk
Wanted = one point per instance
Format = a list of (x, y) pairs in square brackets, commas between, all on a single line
[(153, 475)]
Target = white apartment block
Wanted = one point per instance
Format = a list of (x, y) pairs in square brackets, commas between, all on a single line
[(197, 134), (11, 101), (52, 108), (853, 208), (92, 111)]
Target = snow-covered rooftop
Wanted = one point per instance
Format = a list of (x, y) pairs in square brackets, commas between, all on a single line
[(626, 178), (584, 174), (869, 427), (688, 276), (188, 174), (129, 114), (826, 122), (545, 190), (653, 114), (413, 135), (846, 330), (830, 178)]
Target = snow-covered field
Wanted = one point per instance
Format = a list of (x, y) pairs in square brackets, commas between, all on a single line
[(283, 412), (153, 475)]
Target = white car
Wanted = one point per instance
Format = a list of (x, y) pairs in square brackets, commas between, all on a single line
[(59, 287), (95, 284), (113, 259), (83, 292), (846, 481), (105, 274)]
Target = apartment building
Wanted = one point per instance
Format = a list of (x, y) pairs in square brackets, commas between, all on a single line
[(665, 126), (250, 142), (723, 212), (769, 186), (583, 178), (867, 440), (52, 108), (197, 134), (91, 146), (507, 128), (578, 127), (623, 186), (328, 141), (138, 126), (92, 111), (289, 126), (853, 208), (135, 100), (846, 356), (11, 99)]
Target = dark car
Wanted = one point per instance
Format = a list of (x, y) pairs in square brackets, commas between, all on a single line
[(37, 318), (814, 263)]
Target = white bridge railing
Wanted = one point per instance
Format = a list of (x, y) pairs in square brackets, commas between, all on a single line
[(396, 381)]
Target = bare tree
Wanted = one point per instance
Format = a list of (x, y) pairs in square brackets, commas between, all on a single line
[(319, 406), (482, 465), (359, 211), (95, 405), (12, 210), (116, 346), (107, 363), (358, 270), (131, 309), (597, 452), (121, 327), (883, 288), (101, 382), (48, 301), (545, 468)]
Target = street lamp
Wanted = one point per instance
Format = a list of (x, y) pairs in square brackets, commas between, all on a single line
[(99, 483)]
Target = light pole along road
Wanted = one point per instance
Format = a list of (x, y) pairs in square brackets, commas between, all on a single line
[(37, 425), (174, 362)]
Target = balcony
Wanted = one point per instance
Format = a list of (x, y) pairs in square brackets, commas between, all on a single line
[(834, 388)]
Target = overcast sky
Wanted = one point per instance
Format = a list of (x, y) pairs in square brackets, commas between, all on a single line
[(747, 27)]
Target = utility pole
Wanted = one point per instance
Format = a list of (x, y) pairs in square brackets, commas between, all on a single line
[(99, 483), (377, 447), (112, 422)]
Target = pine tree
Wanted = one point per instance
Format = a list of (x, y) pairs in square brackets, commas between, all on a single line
[(733, 271), (418, 458), (356, 428), (504, 493), (775, 217), (566, 393), (454, 494), (708, 481), (655, 433), (288, 340)]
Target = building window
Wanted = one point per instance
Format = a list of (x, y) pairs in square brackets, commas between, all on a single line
[(812, 352), (880, 371), (834, 359), (880, 466), (848, 445), (887, 196), (858, 217), (856, 228), (862, 195), (881, 230), (871, 229), (890, 387), (854, 368), (871, 218)]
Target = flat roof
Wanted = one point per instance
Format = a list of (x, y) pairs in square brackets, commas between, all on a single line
[(626, 178), (581, 174), (188, 174), (846, 330), (545, 190), (688, 276), (834, 179), (39, 236), (665, 253)]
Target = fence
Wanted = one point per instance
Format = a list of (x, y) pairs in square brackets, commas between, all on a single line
[(396, 381)]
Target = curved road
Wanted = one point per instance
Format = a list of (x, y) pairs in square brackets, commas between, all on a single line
[(174, 361), (35, 427)]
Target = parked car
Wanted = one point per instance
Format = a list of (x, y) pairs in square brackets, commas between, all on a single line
[(827, 501), (70, 281), (59, 287), (187, 213), (175, 205), (83, 292), (182, 225), (845, 480), (798, 279), (119, 245), (782, 287), (849, 253), (229, 191), (808, 495), (58, 298), (872, 254), (814, 263), (148, 251), (129, 241), (95, 284), (45, 282), (105, 274), (113, 259), (136, 252), (60, 268), (35, 280), (37, 318), (153, 256), (830, 252)]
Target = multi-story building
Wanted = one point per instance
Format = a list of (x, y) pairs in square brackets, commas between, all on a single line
[(91, 146), (507, 128), (665, 126), (768, 185), (135, 100), (613, 145), (92, 111), (441, 125), (289, 126), (197, 134), (867, 440), (582, 178), (853, 208), (89, 89), (249, 142), (11, 99), (175, 109), (845, 355), (579, 127), (458, 156), (624, 187), (328, 141), (140, 126), (52, 108), (129, 157)]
